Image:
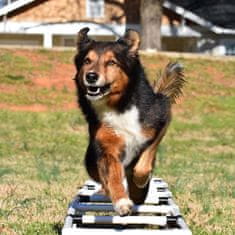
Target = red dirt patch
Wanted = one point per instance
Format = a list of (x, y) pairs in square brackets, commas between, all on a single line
[(60, 77), (33, 108), (30, 54), (219, 77), (4, 88)]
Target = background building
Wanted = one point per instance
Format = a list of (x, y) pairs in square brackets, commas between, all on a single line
[(51, 23)]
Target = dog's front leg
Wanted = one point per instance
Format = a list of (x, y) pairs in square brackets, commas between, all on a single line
[(110, 169), (111, 175)]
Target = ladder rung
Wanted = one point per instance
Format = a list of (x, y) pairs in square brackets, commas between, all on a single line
[(135, 231), (126, 220), (87, 196), (161, 209)]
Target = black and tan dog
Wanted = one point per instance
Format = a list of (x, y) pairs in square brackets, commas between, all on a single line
[(127, 117)]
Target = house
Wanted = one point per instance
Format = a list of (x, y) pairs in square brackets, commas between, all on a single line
[(53, 23)]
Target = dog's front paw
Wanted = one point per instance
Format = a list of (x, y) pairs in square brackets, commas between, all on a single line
[(123, 206)]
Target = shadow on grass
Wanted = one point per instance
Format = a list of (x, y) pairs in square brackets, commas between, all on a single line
[(5, 171), (15, 77)]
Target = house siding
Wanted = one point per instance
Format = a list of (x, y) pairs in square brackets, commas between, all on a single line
[(67, 10), (75, 10)]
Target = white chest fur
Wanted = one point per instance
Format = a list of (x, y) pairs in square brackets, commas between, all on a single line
[(128, 126)]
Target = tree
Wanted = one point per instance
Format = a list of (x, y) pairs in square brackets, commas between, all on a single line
[(151, 17)]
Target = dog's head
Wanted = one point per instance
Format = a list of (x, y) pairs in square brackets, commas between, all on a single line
[(103, 68)]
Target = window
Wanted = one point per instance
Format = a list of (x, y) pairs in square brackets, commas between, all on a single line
[(3, 3), (6, 2), (230, 50), (95, 8), (69, 41)]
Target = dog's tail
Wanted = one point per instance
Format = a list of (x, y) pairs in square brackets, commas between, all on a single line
[(171, 81)]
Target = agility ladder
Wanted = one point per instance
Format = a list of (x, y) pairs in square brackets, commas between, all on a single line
[(92, 213)]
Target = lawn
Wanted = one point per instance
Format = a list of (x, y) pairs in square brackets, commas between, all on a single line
[(43, 137)]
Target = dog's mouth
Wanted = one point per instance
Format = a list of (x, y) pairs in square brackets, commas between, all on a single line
[(97, 92)]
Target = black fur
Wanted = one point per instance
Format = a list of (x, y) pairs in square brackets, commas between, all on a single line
[(110, 150), (139, 91)]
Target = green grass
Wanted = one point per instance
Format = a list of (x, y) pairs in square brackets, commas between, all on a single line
[(49, 97), (41, 153), (14, 69), (41, 158)]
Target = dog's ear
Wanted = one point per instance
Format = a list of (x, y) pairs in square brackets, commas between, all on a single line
[(83, 41), (132, 39)]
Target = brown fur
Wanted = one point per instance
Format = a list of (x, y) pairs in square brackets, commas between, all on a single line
[(107, 67), (171, 82)]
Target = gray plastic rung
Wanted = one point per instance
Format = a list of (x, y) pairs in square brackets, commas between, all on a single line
[(161, 209), (150, 198)]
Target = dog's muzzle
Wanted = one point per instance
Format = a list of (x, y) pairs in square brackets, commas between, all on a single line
[(97, 92), (94, 89)]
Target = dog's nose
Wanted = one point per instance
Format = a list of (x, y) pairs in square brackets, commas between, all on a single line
[(91, 77)]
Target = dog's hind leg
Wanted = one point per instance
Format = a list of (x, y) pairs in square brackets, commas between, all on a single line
[(138, 179), (136, 193), (142, 171)]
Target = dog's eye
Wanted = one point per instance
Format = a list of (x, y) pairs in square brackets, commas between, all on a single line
[(111, 63), (87, 61)]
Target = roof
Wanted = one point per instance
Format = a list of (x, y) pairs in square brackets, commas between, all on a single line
[(189, 15), (218, 12), (13, 6)]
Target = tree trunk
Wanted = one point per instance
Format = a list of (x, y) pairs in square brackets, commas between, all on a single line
[(132, 11), (151, 17)]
